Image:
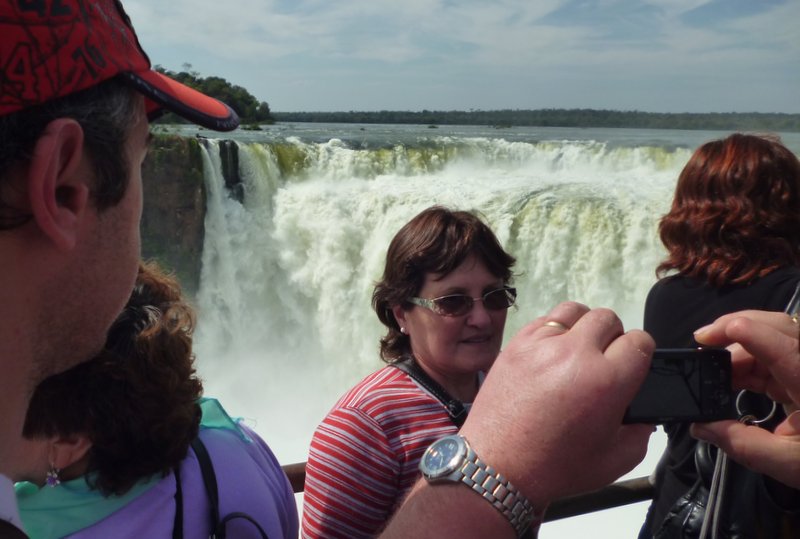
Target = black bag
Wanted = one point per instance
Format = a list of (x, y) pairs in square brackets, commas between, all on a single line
[(753, 506)]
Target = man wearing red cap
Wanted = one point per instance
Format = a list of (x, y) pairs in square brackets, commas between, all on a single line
[(76, 93)]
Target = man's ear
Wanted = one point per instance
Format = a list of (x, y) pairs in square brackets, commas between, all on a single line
[(67, 450), (57, 182)]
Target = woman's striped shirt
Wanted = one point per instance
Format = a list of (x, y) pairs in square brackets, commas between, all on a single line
[(365, 454)]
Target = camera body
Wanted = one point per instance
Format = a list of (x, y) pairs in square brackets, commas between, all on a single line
[(685, 385)]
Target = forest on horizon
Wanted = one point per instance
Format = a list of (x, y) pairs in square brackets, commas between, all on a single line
[(724, 121), (254, 113)]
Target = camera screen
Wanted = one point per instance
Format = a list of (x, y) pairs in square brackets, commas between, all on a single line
[(690, 384), (672, 388)]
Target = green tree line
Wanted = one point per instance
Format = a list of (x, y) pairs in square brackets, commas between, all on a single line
[(727, 121), (254, 112), (250, 110)]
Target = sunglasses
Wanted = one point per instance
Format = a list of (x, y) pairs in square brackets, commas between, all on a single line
[(460, 304)]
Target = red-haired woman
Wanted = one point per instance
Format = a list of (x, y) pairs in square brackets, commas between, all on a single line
[(733, 242)]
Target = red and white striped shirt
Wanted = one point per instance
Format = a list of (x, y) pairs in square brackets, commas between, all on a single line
[(365, 454)]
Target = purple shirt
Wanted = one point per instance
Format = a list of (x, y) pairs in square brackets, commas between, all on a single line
[(249, 480)]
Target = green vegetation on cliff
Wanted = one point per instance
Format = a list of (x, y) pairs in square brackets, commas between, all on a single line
[(249, 109), (732, 121), (173, 216)]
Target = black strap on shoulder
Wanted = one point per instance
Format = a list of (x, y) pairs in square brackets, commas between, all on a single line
[(210, 482), (177, 525), (455, 408), (209, 479)]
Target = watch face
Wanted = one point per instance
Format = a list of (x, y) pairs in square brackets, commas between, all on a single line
[(442, 457)]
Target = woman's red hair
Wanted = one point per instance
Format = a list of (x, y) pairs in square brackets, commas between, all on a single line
[(736, 212)]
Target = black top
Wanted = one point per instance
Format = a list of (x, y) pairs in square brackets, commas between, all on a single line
[(677, 306)]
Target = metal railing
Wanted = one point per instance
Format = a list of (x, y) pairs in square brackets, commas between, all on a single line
[(615, 495)]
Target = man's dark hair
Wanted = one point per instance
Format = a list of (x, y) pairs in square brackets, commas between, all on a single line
[(106, 113)]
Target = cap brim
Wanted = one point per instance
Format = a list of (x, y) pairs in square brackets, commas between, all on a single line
[(186, 102)]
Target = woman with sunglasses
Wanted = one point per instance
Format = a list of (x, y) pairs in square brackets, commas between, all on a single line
[(443, 297)]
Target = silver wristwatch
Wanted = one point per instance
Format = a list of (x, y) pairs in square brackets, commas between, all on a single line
[(452, 459)]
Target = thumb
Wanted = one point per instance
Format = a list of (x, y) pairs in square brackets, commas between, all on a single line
[(790, 426)]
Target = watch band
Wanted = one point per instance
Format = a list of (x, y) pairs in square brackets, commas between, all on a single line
[(498, 491), (462, 465)]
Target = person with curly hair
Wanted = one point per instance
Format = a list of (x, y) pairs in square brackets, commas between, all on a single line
[(733, 242), (107, 442)]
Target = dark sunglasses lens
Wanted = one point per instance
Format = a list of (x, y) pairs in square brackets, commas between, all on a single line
[(454, 305), (499, 299)]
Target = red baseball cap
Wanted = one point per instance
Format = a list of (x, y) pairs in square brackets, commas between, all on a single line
[(53, 48)]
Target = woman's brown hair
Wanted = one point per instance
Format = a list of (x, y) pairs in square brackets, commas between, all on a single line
[(736, 211), (437, 240), (136, 401)]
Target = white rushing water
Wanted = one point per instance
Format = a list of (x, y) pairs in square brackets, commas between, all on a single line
[(285, 323)]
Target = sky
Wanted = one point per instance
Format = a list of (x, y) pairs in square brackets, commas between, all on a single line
[(366, 55)]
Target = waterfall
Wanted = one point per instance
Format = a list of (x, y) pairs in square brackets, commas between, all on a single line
[(286, 324)]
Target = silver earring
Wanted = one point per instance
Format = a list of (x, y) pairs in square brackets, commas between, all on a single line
[(52, 479), (403, 330)]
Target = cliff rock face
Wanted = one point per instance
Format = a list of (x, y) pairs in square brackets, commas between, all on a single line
[(174, 208)]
